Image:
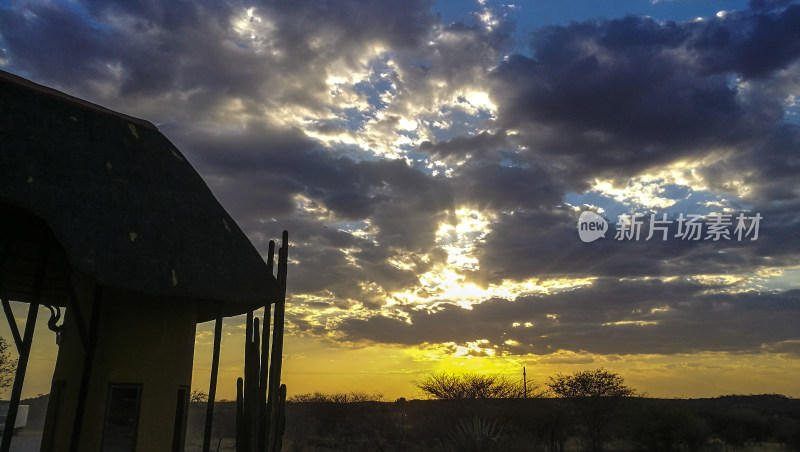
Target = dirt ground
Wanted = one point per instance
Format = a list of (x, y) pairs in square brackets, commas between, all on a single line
[(26, 441)]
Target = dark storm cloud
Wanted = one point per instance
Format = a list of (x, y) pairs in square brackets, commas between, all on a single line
[(477, 146), (257, 173), (139, 48), (581, 76), (401, 24), (74, 50), (673, 317), (506, 187), (545, 244), (769, 167), (753, 45), (352, 190), (151, 48), (335, 267), (616, 97)]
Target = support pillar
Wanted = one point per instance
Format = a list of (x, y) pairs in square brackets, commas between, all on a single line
[(24, 350), (86, 374), (212, 385)]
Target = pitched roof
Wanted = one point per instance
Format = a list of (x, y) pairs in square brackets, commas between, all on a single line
[(123, 202)]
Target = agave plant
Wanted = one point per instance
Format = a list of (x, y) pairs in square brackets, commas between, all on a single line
[(475, 435)]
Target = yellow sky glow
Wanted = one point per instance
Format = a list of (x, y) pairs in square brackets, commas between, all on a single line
[(312, 364)]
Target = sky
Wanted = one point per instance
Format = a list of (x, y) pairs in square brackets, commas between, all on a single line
[(431, 161)]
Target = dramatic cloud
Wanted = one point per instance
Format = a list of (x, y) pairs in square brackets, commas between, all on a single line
[(431, 172), (618, 97), (637, 316)]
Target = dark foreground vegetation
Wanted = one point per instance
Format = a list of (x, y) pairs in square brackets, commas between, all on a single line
[(730, 423)]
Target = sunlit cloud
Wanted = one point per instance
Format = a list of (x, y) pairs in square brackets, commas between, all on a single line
[(637, 192)]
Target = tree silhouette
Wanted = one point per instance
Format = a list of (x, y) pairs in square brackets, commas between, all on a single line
[(8, 366), (198, 396), (594, 395), (338, 397), (445, 386), (590, 383)]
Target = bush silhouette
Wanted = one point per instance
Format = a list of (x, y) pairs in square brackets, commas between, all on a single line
[(445, 386)]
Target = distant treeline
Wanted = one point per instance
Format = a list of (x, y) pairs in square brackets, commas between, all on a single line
[(737, 422), (756, 422)]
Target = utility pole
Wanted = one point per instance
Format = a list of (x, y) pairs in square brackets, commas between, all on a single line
[(524, 383)]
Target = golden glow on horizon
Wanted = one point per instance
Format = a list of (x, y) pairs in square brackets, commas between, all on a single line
[(318, 365)]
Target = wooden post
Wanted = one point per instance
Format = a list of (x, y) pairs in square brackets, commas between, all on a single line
[(12, 324), (212, 385), (240, 436), (262, 381), (75, 312), (248, 383), (19, 377), (88, 360), (280, 423), (252, 401), (25, 350)]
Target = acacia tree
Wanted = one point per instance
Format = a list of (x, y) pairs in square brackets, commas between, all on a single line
[(594, 395), (445, 386), (590, 383), (198, 396), (7, 366)]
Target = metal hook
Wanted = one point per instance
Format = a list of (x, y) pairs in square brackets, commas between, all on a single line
[(55, 316)]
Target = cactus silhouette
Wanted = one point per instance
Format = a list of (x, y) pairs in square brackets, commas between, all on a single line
[(260, 397)]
